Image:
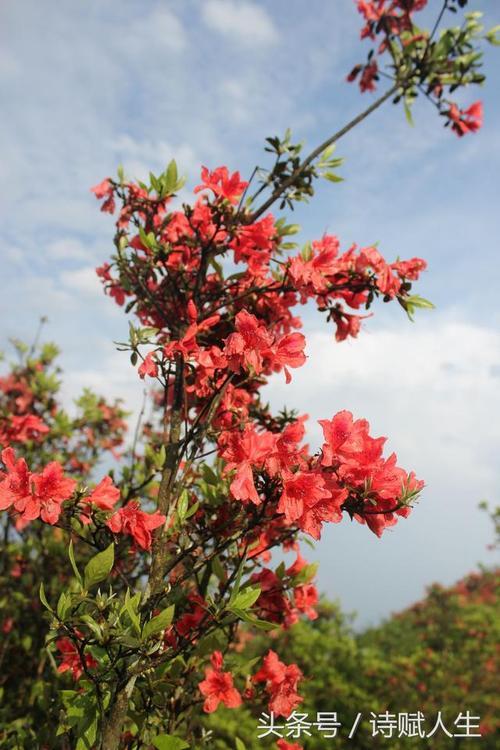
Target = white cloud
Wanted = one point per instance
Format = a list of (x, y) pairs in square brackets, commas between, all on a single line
[(83, 280), (67, 248), (153, 32), (248, 22)]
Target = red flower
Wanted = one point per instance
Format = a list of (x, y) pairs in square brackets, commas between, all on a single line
[(221, 184), (247, 345), (242, 451), (191, 620), (15, 484), (301, 490), (369, 76), (281, 684), (135, 522), (347, 324), (326, 509), (71, 659), (105, 495), (306, 598), (51, 488), (105, 190), (26, 427), (284, 745), (34, 495), (148, 367), (254, 244), (290, 351), (466, 120), (217, 687), (342, 434)]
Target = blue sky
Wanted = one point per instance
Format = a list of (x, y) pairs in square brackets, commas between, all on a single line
[(89, 85)]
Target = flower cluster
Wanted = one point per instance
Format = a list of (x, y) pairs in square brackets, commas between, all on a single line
[(419, 63), (349, 475), (33, 495), (280, 683)]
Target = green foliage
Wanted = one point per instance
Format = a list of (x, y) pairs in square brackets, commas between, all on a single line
[(439, 654)]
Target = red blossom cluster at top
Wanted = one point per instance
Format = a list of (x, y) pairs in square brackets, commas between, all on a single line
[(385, 18), (320, 273), (390, 24)]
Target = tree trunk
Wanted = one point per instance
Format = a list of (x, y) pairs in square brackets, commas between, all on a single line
[(113, 723)]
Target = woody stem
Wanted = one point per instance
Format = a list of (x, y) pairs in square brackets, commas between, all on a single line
[(319, 150)]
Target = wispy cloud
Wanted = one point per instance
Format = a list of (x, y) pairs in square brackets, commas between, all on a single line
[(240, 21)]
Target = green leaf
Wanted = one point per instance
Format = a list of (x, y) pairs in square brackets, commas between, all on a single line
[(252, 620), (237, 582), (333, 177), (72, 560), (239, 744), (169, 742), (63, 605), (306, 252), (218, 568), (172, 174), (182, 506), (130, 606), (492, 36), (43, 599), (99, 567), (408, 114), (209, 474), (160, 622), (328, 152), (306, 574), (93, 625), (416, 301), (246, 598)]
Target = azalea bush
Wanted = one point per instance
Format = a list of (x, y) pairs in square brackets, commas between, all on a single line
[(147, 571)]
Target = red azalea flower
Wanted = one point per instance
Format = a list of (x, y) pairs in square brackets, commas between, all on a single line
[(71, 659), (148, 367), (221, 184), (218, 687), (15, 484), (281, 684), (247, 345), (105, 495), (135, 522), (284, 745), (466, 120), (301, 490)]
